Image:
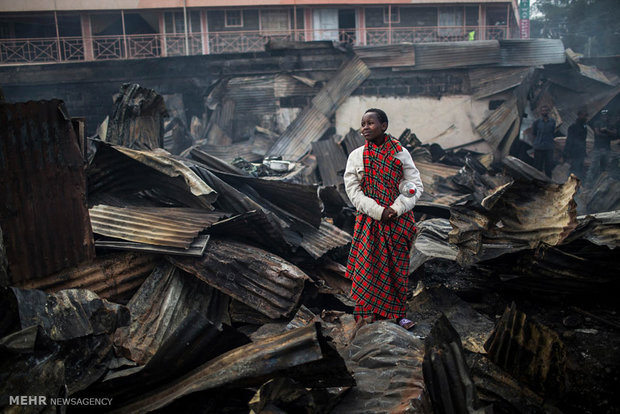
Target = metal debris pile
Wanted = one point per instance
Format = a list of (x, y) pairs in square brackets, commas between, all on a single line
[(154, 272)]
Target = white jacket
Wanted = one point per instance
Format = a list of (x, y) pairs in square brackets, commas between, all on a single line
[(354, 173)]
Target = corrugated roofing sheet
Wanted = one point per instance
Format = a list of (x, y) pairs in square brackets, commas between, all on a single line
[(119, 170), (312, 122), (531, 52), (490, 81), (456, 54), (501, 127), (260, 279), (327, 237), (43, 213), (387, 56), (332, 161), (109, 276), (530, 351), (171, 227), (286, 85)]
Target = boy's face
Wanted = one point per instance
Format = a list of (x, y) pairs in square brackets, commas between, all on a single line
[(544, 111), (372, 129)]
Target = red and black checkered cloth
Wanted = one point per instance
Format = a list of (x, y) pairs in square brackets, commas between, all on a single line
[(378, 261)]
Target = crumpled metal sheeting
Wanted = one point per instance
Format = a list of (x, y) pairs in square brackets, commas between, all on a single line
[(317, 242), (602, 229), (257, 226), (164, 300), (432, 242), (249, 364), (446, 373), (260, 279), (119, 170), (389, 56), (109, 276), (386, 362), (525, 216), (138, 118), (443, 55), (43, 213), (501, 128), (172, 227), (332, 161), (64, 315), (490, 81), (529, 351)]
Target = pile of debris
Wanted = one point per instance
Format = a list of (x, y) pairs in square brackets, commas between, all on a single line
[(144, 269)]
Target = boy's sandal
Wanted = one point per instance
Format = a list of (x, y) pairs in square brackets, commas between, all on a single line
[(406, 323)]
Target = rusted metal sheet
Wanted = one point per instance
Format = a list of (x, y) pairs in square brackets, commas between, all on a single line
[(332, 161), (514, 216), (446, 373), (138, 118), (529, 351), (313, 121), (170, 227), (123, 171), (432, 242), (456, 54), (249, 364), (109, 276), (490, 81), (196, 248), (387, 56), (386, 362), (501, 128), (43, 214), (250, 275), (158, 308), (317, 242), (531, 52)]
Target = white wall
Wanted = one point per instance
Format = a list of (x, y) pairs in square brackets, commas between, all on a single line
[(449, 121)]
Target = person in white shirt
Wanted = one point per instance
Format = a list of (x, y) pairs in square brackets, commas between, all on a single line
[(378, 263)]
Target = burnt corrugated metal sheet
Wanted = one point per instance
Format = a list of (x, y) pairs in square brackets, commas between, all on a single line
[(250, 150), (197, 248), (43, 213), (446, 374), (110, 276), (159, 307), (340, 86), (456, 54), (332, 161), (286, 85), (501, 128), (387, 56), (386, 362), (119, 170), (243, 365), (327, 237), (522, 216), (603, 229), (432, 242), (262, 280), (312, 122), (529, 351), (352, 140), (138, 118), (531, 52), (490, 81), (172, 227)]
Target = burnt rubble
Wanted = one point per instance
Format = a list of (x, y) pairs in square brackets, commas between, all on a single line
[(198, 265)]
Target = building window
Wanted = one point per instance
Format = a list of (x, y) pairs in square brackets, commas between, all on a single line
[(274, 21), (394, 13), (233, 18)]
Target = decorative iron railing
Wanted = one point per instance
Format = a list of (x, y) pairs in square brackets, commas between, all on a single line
[(66, 49)]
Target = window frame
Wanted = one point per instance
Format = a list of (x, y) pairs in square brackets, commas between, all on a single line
[(240, 11)]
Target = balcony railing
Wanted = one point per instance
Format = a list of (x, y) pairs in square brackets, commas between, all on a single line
[(68, 49)]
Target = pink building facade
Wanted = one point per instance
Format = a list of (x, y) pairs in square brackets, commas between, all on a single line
[(43, 31)]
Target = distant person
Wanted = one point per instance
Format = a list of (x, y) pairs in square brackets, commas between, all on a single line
[(543, 130), (604, 132), (575, 148), (378, 263)]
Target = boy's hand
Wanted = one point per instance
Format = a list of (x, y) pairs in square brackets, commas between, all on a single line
[(388, 214)]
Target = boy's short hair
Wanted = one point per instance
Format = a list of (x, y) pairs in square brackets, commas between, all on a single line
[(380, 114)]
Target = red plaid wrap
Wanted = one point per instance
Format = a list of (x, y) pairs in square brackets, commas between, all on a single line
[(378, 261)]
